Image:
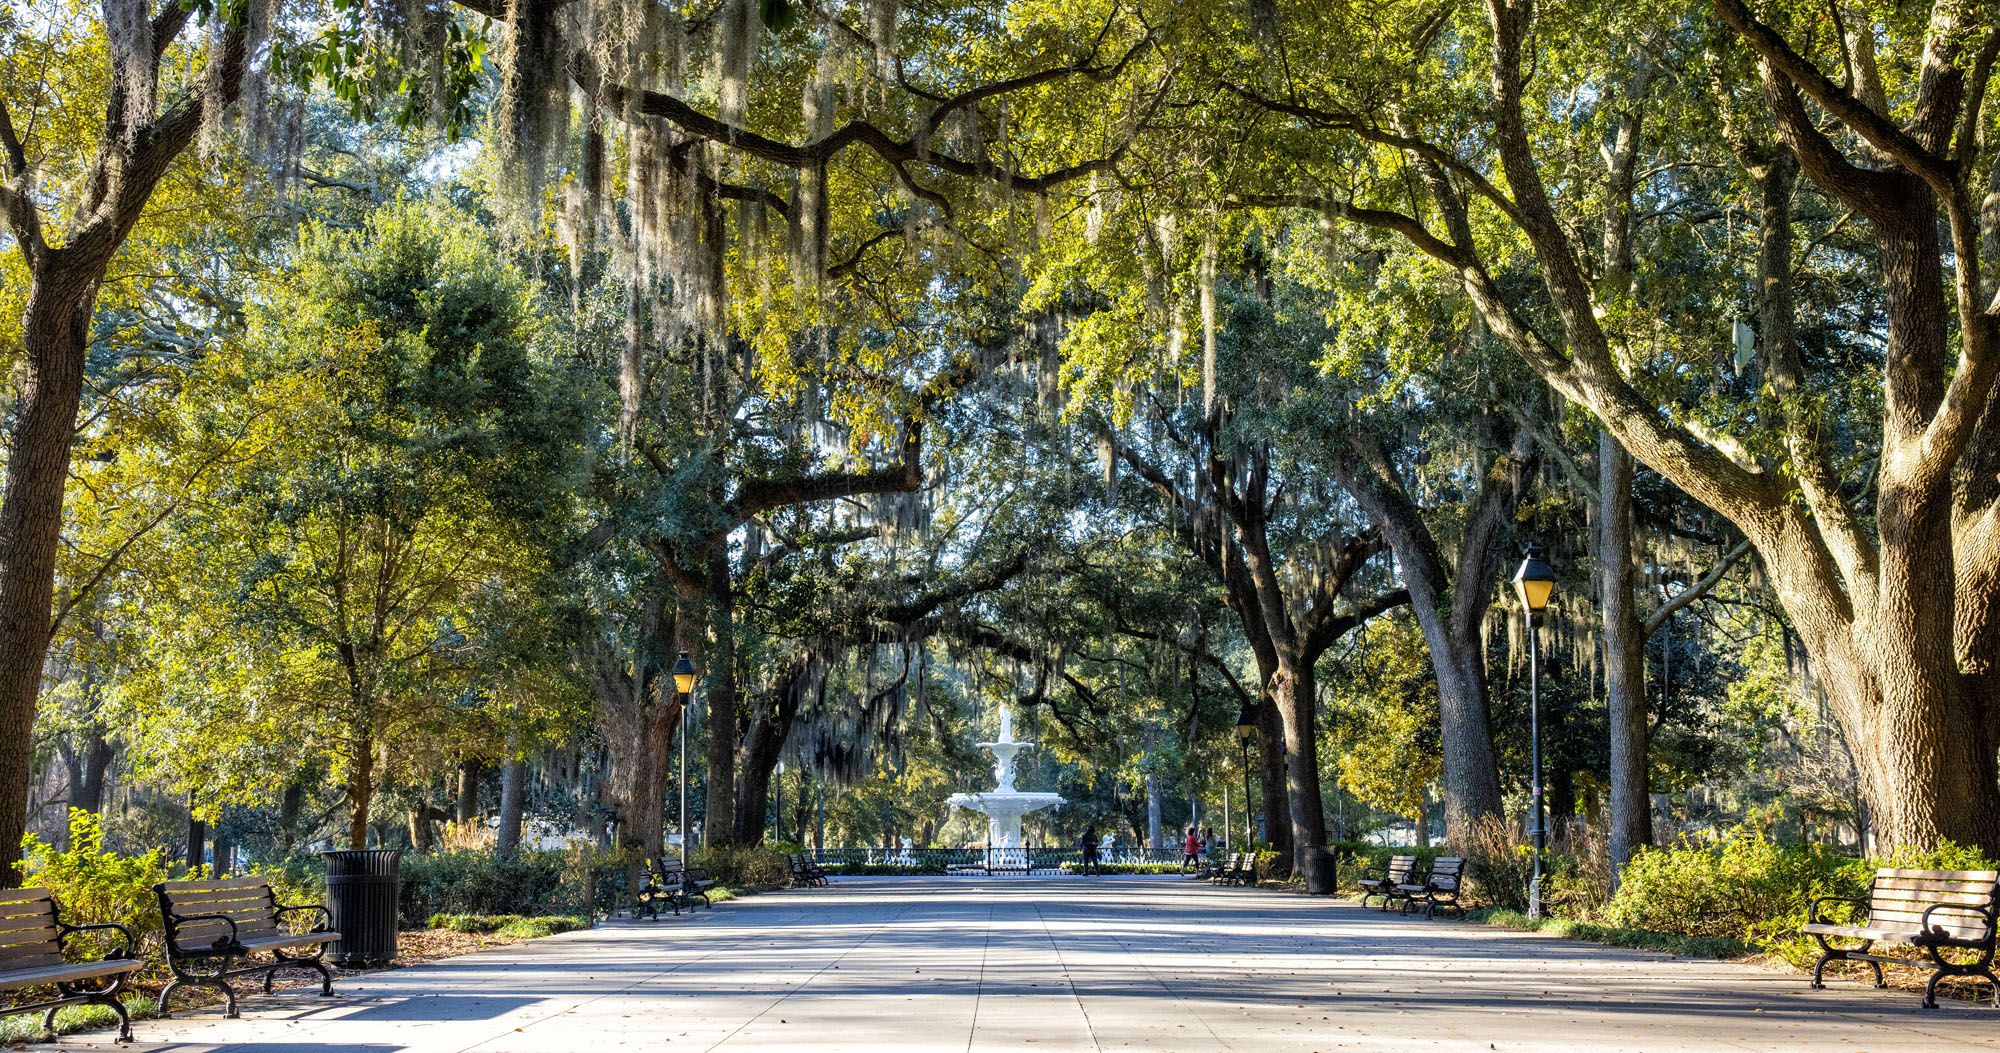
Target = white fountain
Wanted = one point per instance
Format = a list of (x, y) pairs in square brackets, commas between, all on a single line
[(1004, 806)]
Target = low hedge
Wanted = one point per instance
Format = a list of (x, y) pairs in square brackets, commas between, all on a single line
[(515, 926)]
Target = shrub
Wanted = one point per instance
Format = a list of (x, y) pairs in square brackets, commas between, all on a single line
[(93, 885), (528, 882), (1736, 885), (512, 926), (536, 928), (759, 866), (1740, 884)]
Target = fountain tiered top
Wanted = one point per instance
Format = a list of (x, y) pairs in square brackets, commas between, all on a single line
[(1004, 805)]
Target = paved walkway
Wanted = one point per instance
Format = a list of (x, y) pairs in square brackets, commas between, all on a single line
[(1151, 964)]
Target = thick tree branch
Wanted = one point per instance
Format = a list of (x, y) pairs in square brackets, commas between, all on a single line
[(1695, 590), (1881, 132)]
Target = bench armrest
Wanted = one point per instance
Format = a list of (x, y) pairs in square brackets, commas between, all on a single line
[(229, 942), (130, 950), (1813, 915), (1961, 910), (325, 915)]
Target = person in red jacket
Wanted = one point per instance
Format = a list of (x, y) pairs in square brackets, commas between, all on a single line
[(1191, 857)]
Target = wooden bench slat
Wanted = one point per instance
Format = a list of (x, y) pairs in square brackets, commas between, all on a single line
[(11, 898), (213, 904), (45, 941), (13, 977), (1940, 875), (38, 958), (184, 887), (26, 928), (1915, 895), (19, 913), (1926, 887)]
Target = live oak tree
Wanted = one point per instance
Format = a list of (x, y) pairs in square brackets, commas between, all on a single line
[(1889, 582)]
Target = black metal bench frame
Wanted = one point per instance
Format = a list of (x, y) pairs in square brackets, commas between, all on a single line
[(29, 938), (1959, 916), (1240, 870), (678, 888), (1439, 888), (1396, 872), (213, 964), (805, 871)]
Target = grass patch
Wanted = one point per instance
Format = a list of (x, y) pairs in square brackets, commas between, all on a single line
[(511, 926), (1717, 947), (27, 1027), (522, 928)]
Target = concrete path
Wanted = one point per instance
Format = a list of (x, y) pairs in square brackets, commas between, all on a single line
[(1152, 964)]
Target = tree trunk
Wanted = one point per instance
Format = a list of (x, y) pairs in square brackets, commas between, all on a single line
[(719, 814), (763, 743), (1294, 694), (468, 791), (225, 855), (290, 804), (1274, 805), (360, 787), (421, 839), (87, 766), (513, 796), (197, 837), (1153, 831), (1631, 825), (55, 330)]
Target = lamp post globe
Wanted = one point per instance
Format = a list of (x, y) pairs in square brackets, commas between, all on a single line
[(1534, 582)]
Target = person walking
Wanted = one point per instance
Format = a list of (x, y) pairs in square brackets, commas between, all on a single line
[(1191, 852), (1089, 846)]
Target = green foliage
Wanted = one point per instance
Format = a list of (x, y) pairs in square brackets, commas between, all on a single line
[(1742, 885), (1637, 939), (761, 866), (71, 1019), (93, 885), (476, 882), (512, 926)]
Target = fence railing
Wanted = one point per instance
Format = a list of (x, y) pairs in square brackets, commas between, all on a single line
[(980, 860)]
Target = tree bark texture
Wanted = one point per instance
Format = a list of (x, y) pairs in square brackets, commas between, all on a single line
[(1631, 822), (513, 799)]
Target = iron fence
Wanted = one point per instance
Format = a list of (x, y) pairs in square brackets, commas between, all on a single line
[(982, 861)]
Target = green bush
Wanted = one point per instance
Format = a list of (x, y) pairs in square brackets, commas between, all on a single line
[(513, 926), (93, 885), (760, 866), (536, 928), (529, 882), (69, 1019), (1739, 884)]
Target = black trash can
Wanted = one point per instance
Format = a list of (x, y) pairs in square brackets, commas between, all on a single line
[(1320, 873), (362, 892)]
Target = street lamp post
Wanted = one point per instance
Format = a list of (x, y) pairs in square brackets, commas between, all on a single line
[(778, 799), (1246, 733), (684, 680), (1532, 584)]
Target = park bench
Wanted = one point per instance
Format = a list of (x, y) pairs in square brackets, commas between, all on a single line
[(1393, 876), (1933, 910), (804, 871), (668, 885), (1439, 888), (32, 934), (216, 926), (1219, 874), (1242, 870), (1212, 866)]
